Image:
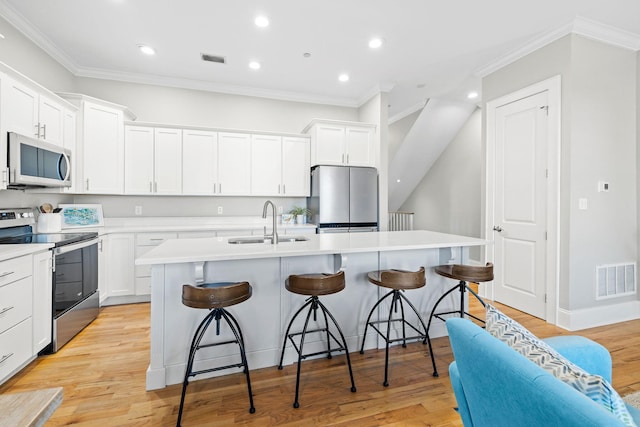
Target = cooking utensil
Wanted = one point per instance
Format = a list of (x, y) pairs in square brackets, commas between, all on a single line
[(46, 208), (57, 210)]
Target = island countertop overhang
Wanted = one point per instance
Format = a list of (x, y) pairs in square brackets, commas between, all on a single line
[(218, 249)]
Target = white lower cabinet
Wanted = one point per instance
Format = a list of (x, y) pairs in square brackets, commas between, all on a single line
[(42, 300), (120, 250), (16, 309)]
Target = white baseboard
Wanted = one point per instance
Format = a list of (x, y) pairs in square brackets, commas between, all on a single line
[(575, 320)]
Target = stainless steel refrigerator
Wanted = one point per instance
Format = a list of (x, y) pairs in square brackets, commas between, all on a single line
[(344, 199)]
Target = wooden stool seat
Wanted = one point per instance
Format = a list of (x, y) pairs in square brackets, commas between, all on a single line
[(316, 283), (464, 274), (398, 279), (468, 273), (215, 295)]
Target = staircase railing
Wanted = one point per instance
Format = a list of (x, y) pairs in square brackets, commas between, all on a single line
[(399, 221)]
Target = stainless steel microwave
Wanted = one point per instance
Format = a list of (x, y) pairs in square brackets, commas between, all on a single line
[(35, 163)]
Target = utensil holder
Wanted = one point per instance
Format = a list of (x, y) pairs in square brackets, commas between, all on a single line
[(49, 222)]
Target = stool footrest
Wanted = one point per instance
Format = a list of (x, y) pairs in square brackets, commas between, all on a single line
[(330, 350), (220, 368), (439, 315), (420, 336), (217, 343)]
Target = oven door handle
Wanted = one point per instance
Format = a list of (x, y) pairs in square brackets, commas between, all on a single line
[(74, 246)]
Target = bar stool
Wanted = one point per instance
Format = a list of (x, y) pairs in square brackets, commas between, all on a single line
[(463, 273), (315, 285), (215, 296), (398, 281)]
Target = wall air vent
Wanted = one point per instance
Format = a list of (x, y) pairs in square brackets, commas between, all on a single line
[(213, 58), (615, 280)]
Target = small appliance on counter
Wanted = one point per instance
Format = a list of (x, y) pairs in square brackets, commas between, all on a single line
[(344, 199), (75, 271)]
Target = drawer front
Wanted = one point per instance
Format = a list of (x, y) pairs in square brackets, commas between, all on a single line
[(15, 348), (15, 303), (68, 273), (15, 269), (153, 239)]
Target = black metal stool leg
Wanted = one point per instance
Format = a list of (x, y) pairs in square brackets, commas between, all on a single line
[(387, 338), (195, 342), (286, 335), (344, 344), (235, 328), (366, 325), (296, 404)]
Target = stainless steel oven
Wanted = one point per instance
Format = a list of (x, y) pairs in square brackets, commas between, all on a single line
[(74, 287)]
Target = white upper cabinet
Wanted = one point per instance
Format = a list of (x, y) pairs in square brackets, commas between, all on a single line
[(103, 146), (295, 166), (32, 113), (153, 160), (234, 164), (279, 166), (342, 143), (199, 162), (266, 165), (138, 164)]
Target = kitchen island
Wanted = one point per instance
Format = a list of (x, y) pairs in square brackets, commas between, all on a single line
[(265, 315)]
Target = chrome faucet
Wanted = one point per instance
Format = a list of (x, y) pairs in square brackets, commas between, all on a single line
[(274, 231)]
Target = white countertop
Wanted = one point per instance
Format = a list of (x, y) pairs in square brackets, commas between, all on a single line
[(218, 249), (14, 251)]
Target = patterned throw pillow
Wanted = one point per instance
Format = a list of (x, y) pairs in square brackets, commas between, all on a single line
[(524, 342)]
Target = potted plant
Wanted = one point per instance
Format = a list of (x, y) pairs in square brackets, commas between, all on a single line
[(300, 213)]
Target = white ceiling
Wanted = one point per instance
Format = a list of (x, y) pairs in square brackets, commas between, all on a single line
[(435, 44)]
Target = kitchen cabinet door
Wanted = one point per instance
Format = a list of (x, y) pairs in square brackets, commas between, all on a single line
[(102, 268), (199, 162), (295, 167), (120, 249), (20, 108), (167, 167), (42, 300), (138, 160), (103, 146), (69, 133), (359, 146), (234, 164), (266, 165), (51, 120), (329, 145)]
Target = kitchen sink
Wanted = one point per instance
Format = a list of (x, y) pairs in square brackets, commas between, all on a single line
[(258, 239)]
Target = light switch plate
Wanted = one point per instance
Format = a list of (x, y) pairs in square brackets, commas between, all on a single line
[(220, 210), (582, 204)]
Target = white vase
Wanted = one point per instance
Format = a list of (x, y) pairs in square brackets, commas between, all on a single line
[(300, 219)]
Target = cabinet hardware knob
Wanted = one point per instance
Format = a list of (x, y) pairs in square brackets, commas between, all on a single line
[(497, 228)]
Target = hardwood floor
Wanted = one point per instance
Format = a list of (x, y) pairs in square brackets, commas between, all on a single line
[(102, 372)]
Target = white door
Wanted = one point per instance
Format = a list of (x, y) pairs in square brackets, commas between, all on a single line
[(199, 163), (21, 109), (329, 145), (266, 165), (521, 135), (51, 119), (138, 163), (295, 166), (234, 164), (359, 151), (168, 161)]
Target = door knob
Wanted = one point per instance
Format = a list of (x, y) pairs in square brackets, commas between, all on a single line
[(497, 228)]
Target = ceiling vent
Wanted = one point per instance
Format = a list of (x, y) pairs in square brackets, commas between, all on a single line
[(213, 58)]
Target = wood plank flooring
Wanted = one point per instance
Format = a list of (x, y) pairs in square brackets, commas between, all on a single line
[(102, 372)]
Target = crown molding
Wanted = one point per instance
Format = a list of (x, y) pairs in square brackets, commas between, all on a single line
[(39, 39), (149, 79), (580, 26)]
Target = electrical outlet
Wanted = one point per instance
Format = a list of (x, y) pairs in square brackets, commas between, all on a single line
[(220, 210), (280, 209), (138, 210)]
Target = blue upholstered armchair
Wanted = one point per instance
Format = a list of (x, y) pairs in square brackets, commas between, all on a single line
[(496, 386)]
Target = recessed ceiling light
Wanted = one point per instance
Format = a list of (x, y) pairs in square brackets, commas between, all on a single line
[(262, 21), (254, 65), (147, 50), (472, 95), (306, 55), (343, 77), (375, 43)]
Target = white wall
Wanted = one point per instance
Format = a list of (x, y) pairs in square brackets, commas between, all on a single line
[(448, 197), (598, 142)]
